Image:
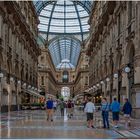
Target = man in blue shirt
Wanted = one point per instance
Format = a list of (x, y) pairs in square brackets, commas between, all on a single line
[(49, 108), (105, 107), (115, 108), (127, 109)]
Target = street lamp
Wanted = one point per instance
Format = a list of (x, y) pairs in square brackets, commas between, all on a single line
[(129, 72)]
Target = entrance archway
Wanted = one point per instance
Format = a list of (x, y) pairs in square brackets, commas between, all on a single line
[(65, 93)]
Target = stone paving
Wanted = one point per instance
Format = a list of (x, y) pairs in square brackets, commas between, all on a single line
[(34, 125)]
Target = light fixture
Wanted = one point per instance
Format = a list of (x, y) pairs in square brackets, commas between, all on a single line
[(127, 69), (102, 82), (94, 87), (19, 81), (107, 79), (24, 84), (98, 85), (33, 88), (115, 75), (1, 75), (39, 90), (11, 79), (29, 86)]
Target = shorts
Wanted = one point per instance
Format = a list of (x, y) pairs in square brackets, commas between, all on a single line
[(115, 116), (89, 116)]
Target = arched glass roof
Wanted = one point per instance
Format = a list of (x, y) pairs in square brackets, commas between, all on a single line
[(65, 52), (63, 17), (64, 20)]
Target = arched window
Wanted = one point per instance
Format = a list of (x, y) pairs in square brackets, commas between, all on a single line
[(65, 77), (65, 92)]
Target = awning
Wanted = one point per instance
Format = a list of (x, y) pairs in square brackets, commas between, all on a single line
[(31, 92)]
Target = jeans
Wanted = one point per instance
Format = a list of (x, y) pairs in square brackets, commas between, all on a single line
[(105, 115)]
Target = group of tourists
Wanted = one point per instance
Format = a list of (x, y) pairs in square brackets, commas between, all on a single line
[(53, 105), (89, 108), (106, 107)]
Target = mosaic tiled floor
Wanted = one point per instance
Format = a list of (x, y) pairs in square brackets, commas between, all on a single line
[(34, 125)]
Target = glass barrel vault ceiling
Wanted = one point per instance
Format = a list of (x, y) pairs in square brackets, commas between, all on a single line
[(65, 52), (63, 18)]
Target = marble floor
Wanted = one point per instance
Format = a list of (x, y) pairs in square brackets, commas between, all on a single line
[(34, 125)]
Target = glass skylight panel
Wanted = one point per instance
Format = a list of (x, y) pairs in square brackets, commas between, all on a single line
[(72, 22), (73, 29), (58, 15), (59, 8), (83, 13), (42, 28), (69, 9), (45, 13), (85, 28), (56, 29), (84, 21), (71, 15), (43, 19), (48, 7)]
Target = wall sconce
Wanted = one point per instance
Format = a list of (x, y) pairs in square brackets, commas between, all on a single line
[(1, 75), (98, 85), (102, 82), (127, 69), (19, 82), (24, 84), (11, 79), (116, 75), (107, 79)]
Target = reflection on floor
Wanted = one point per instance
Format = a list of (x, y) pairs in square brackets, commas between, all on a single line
[(33, 124)]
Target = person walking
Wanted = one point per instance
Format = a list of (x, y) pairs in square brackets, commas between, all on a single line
[(105, 107), (49, 108), (127, 109), (69, 108), (115, 108), (62, 107), (90, 109), (55, 105)]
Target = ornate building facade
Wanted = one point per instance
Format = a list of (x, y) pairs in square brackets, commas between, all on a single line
[(114, 51), (18, 52)]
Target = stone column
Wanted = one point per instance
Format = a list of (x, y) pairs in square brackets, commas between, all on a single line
[(1, 23)]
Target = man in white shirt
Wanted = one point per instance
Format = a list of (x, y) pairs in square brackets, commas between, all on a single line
[(90, 109)]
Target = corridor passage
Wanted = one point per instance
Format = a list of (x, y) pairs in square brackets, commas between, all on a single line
[(33, 124)]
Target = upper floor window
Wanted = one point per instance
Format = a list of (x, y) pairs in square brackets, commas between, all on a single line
[(65, 78)]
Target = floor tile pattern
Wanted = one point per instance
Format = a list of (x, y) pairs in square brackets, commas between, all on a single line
[(34, 125)]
